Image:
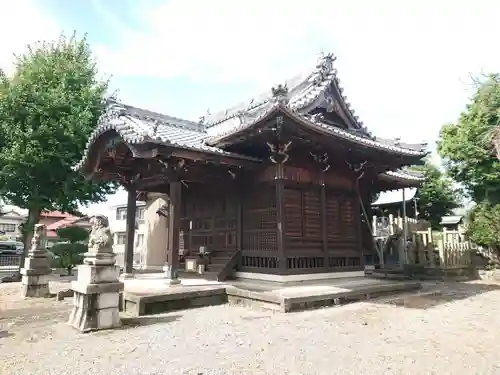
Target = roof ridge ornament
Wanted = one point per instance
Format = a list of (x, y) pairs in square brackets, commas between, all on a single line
[(324, 66), (280, 93), (113, 111)]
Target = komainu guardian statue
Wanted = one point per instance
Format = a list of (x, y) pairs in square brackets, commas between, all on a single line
[(97, 289), (100, 245), (100, 238)]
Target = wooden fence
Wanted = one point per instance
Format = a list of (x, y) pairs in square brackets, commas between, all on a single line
[(395, 222), (445, 249)]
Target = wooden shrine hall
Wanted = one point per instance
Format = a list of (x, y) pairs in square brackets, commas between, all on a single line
[(278, 185)]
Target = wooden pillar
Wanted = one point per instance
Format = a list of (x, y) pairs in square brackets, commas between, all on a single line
[(324, 225), (174, 228), (130, 230), (280, 218), (239, 219), (359, 229)]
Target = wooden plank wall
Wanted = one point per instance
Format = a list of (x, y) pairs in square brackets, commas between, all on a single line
[(260, 235), (213, 217)]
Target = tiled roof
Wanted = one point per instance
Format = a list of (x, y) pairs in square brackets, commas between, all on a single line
[(135, 125), (55, 214), (395, 196), (300, 96), (68, 221), (318, 123), (303, 92), (297, 98), (450, 220), (62, 223), (402, 174)]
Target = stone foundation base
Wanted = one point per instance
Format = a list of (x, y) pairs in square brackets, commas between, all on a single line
[(96, 298), (35, 286), (96, 311), (173, 282)]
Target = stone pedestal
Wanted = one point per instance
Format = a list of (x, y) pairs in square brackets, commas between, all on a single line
[(96, 298), (36, 271)]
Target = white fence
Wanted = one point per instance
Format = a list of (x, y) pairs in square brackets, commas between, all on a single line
[(10, 261)]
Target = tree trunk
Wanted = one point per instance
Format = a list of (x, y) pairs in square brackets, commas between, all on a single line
[(28, 230)]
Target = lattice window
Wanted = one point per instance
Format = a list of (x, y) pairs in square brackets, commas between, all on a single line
[(260, 219), (293, 212), (312, 214), (260, 241), (333, 215), (348, 218)]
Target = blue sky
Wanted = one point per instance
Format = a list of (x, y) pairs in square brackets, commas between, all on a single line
[(404, 65)]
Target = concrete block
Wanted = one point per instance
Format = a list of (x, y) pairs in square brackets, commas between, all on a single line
[(37, 263), (88, 274), (115, 287), (108, 318), (108, 300), (35, 290), (36, 279)]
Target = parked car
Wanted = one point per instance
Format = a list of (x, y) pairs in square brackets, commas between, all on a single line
[(9, 248)]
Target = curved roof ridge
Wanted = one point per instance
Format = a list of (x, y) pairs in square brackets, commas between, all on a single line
[(319, 86), (316, 122), (298, 82)]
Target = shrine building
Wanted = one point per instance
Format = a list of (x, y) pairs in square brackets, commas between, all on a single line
[(278, 185)]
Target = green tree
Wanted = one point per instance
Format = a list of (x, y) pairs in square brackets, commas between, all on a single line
[(69, 251), (49, 107), (437, 196), (484, 225), (466, 148)]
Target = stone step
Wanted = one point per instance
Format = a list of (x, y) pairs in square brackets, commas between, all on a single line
[(215, 267), (210, 275), (219, 260), (222, 253)]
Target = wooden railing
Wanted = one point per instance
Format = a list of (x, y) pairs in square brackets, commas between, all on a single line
[(412, 224)]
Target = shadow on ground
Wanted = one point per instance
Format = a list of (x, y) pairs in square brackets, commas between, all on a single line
[(438, 295), (142, 321), (4, 334)]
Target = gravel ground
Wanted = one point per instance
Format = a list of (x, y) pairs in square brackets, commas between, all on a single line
[(454, 331)]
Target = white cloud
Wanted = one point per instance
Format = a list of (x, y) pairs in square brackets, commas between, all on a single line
[(23, 22), (105, 208), (404, 65)]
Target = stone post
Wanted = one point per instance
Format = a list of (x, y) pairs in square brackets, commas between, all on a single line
[(97, 289), (36, 271)]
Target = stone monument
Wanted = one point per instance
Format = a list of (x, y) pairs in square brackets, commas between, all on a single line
[(97, 289), (36, 271)]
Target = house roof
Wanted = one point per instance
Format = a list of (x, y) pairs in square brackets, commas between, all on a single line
[(68, 221), (395, 196), (299, 98), (56, 214), (11, 214), (451, 220)]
